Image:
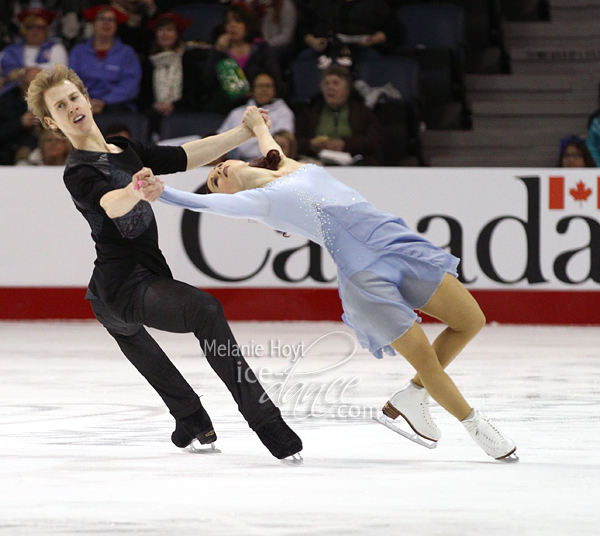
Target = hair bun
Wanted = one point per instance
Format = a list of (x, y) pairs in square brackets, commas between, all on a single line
[(271, 161)]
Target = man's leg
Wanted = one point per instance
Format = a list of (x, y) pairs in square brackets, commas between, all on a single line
[(177, 307), (148, 358)]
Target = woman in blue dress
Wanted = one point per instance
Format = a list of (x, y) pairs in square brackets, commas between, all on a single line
[(385, 273)]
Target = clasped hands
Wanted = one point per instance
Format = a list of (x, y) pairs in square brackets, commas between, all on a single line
[(146, 186), (255, 117)]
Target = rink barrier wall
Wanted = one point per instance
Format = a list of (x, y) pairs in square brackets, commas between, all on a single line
[(528, 240), (506, 307)]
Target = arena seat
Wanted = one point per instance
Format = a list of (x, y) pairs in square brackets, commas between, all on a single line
[(433, 34), (205, 18), (137, 124), (190, 124)]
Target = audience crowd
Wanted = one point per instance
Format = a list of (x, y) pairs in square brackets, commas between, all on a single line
[(133, 58)]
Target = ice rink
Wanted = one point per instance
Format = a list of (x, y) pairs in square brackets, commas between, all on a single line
[(85, 442)]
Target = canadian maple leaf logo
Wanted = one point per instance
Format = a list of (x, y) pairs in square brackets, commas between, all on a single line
[(581, 193)]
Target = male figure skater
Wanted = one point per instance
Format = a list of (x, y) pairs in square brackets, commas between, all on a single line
[(132, 285)]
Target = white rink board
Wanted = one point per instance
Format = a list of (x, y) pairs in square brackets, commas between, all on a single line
[(46, 243)]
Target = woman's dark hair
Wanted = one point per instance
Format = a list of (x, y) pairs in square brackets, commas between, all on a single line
[(581, 146), (271, 161), (242, 13), (161, 23)]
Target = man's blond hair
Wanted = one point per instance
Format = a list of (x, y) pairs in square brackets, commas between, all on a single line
[(46, 80)]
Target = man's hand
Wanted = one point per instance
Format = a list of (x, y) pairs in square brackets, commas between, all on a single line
[(146, 186)]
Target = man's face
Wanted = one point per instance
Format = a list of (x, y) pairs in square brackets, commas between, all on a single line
[(263, 89), (105, 24), (70, 110)]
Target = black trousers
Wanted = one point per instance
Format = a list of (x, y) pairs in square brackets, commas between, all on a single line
[(158, 302)]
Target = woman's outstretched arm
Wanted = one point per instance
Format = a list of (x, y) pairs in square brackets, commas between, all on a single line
[(247, 204), (203, 151), (254, 121)]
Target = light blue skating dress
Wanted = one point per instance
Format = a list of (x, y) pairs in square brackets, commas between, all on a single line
[(385, 270)]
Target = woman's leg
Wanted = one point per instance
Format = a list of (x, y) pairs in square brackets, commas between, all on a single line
[(453, 304), (418, 351)]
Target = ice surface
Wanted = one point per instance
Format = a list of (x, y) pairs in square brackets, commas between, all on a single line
[(85, 443)]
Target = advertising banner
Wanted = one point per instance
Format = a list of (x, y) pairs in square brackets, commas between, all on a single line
[(517, 231)]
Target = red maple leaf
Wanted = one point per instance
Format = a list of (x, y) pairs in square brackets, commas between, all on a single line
[(581, 193)]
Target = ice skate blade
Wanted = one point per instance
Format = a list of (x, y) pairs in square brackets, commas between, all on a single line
[(511, 458), (195, 447), (388, 423), (294, 459)]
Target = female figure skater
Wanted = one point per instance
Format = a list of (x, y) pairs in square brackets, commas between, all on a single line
[(385, 272), (132, 285)]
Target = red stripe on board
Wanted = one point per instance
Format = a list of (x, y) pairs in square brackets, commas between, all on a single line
[(556, 198), (504, 306)]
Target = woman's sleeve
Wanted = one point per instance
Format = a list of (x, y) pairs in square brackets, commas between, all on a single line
[(246, 204)]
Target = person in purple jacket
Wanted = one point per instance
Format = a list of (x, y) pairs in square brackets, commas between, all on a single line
[(110, 70), (35, 49)]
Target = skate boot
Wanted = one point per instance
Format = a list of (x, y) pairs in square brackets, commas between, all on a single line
[(412, 404), (195, 426), (281, 440), (493, 442)]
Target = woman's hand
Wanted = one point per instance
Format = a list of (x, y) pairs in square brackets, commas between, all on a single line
[(223, 42), (318, 44), (163, 108), (253, 117), (146, 186)]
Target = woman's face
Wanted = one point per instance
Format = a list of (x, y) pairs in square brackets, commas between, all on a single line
[(335, 91), (35, 31), (167, 36), (573, 157), (225, 178), (263, 89), (235, 27)]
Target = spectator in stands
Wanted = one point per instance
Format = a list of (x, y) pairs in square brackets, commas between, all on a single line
[(575, 154), (110, 69), (53, 150), (278, 26), (346, 30), (35, 49), (238, 55), (135, 31), (18, 126), (337, 120), (287, 142), (593, 137), (169, 75), (263, 96)]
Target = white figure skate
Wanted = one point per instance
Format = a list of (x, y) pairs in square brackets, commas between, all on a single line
[(412, 404), (493, 442)]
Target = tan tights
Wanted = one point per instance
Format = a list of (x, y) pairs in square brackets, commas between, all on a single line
[(454, 306)]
